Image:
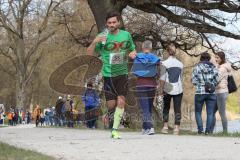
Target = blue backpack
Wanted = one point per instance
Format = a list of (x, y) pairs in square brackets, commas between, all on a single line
[(145, 65)]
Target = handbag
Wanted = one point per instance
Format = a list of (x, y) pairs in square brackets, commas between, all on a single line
[(209, 87), (232, 87)]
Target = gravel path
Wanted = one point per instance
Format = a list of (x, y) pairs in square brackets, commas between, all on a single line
[(76, 144)]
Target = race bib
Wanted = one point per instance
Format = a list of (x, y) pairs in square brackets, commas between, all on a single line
[(116, 58)]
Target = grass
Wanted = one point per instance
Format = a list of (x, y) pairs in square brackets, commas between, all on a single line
[(232, 103), (219, 134), (8, 152), (222, 134)]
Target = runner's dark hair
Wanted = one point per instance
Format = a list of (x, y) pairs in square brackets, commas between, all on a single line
[(113, 14)]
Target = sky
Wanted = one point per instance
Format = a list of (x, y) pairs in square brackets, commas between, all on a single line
[(230, 46)]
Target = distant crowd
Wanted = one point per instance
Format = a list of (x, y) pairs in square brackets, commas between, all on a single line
[(64, 112)]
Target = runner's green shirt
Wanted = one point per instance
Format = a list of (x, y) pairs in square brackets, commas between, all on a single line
[(115, 53)]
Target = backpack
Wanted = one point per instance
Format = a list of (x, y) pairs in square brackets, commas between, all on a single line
[(145, 65)]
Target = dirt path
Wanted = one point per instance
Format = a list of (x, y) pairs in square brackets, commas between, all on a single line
[(75, 144)]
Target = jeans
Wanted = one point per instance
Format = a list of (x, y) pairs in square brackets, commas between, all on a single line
[(177, 100), (90, 116), (210, 101), (47, 122), (145, 97), (221, 108)]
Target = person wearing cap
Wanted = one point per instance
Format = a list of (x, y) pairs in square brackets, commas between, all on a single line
[(91, 100)]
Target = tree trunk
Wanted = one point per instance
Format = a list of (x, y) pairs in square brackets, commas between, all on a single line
[(21, 74), (20, 93), (100, 8)]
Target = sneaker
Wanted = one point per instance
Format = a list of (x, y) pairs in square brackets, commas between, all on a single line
[(164, 130), (200, 132), (115, 134), (145, 131), (151, 131)]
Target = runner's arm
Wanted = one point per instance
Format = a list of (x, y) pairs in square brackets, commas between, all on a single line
[(92, 47), (133, 54)]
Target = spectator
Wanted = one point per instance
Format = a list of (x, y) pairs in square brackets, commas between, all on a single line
[(145, 67), (69, 111), (204, 72), (36, 114), (91, 100), (10, 118), (42, 119), (173, 75), (46, 116), (224, 69), (15, 117), (60, 112), (28, 117), (2, 114)]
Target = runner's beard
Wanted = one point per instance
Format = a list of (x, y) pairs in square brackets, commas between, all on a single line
[(113, 29)]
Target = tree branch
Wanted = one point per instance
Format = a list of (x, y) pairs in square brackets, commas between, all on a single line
[(3, 24), (10, 2), (82, 40), (43, 27), (20, 19), (33, 50), (7, 71), (208, 42), (198, 27), (7, 55), (222, 5), (32, 69), (215, 20)]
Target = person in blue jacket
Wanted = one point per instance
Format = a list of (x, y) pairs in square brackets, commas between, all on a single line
[(92, 102), (146, 69)]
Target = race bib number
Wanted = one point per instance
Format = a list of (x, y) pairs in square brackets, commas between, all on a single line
[(116, 58)]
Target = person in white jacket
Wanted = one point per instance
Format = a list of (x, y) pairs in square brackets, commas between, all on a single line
[(173, 76)]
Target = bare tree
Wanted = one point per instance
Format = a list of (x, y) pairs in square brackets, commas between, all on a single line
[(201, 18), (72, 23), (160, 31), (25, 26)]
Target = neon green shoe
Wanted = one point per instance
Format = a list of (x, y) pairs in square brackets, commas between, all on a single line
[(115, 134)]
